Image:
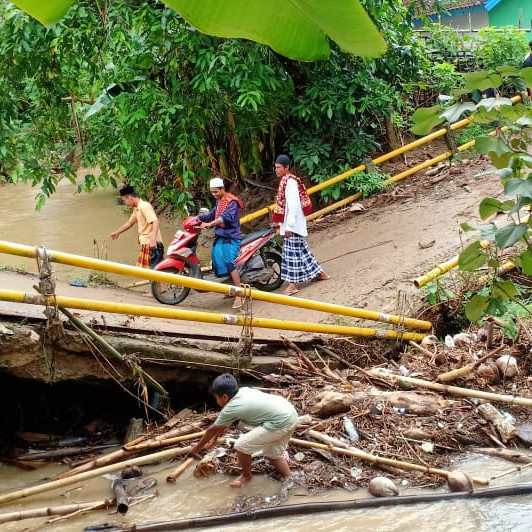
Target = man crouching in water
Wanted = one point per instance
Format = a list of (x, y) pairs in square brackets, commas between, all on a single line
[(273, 417)]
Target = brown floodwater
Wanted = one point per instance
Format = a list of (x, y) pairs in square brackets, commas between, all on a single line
[(68, 222), (71, 222), (194, 497)]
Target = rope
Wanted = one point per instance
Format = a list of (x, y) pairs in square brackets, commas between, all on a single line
[(245, 344), (54, 326)]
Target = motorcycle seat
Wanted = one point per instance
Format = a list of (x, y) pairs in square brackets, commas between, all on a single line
[(256, 234)]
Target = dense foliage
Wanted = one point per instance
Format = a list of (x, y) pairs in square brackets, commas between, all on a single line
[(130, 88), (509, 151)]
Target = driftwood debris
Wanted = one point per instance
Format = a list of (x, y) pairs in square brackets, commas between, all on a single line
[(507, 454), (178, 471), (505, 428), (127, 452), (466, 370), (330, 402), (54, 484), (453, 390), (362, 455), (56, 510), (121, 498)]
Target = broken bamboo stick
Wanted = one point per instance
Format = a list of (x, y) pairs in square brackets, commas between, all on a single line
[(122, 454), (137, 370), (362, 455), (178, 471), (453, 390), (328, 440), (121, 498), (61, 453), (55, 510), (54, 484), (166, 442), (466, 370)]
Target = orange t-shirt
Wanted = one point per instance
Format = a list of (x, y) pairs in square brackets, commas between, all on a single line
[(144, 215)]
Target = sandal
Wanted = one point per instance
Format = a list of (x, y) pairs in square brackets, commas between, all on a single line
[(321, 277), (237, 304)]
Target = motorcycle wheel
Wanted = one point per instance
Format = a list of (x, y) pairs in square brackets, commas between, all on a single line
[(171, 294), (273, 261)]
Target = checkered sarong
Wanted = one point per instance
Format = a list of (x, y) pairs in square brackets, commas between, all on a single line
[(299, 264), (149, 258)]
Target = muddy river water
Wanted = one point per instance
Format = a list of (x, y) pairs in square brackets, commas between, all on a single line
[(71, 222), (68, 222), (193, 497)]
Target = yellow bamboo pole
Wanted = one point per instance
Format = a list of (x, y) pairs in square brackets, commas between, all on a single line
[(16, 296), (200, 284), (378, 160), (54, 484)]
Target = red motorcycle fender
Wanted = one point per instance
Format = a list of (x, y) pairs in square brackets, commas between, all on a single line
[(170, 262)]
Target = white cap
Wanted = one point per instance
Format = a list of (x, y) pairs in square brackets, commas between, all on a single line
[(217, 182)]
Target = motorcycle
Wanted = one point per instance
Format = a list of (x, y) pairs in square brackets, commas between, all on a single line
[(258, 262)]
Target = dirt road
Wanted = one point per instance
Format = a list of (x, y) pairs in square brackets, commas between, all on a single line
[(370, 255)]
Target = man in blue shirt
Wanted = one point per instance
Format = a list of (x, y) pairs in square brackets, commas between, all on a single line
[(225, 218)]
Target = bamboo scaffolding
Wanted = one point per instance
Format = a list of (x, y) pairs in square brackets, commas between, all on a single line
[(127, 452), (55, 484), (251, 516), (453, 390), (56, 510), (206, 317), (200, 284), (362, 455), (136, 369)]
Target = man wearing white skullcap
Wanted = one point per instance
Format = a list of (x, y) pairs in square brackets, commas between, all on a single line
[(225, 218)]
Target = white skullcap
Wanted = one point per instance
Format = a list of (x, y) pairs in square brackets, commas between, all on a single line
[(217, 182)]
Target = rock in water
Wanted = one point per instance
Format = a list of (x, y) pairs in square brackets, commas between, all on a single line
[(459, 481), (507, 365), (383, 487), (131, 472)]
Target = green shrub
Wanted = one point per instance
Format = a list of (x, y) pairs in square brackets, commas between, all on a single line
[(495, 47)]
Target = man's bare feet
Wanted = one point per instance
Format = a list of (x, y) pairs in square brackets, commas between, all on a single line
[(240, 481)]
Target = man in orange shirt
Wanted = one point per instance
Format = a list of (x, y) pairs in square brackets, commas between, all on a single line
[(150, 239)]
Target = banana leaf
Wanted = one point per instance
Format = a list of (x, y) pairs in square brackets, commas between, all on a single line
[(298, 29)]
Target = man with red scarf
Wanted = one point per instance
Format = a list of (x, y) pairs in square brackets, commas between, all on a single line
[(225, 218), (291, 206)]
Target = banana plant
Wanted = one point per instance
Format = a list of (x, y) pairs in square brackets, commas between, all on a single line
[(298, 29)]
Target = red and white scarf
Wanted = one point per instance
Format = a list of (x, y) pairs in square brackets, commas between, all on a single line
[(223, 203), (280, 202)]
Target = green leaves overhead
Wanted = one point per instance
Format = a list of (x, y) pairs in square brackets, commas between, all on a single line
[(46, 12), (298, 29)]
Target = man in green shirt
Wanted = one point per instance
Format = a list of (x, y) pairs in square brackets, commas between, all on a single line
[(273, 417)]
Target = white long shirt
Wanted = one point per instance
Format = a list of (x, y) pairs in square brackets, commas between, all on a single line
[(294, 219)]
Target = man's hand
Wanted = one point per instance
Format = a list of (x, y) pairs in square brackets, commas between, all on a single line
[(288, 234), (114, 235), (153, 243), (206, 225)]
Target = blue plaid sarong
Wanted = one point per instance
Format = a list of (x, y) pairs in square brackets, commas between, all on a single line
[(299, 264)]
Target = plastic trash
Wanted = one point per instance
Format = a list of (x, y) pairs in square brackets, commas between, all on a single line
[(351, 430), (400, 409)]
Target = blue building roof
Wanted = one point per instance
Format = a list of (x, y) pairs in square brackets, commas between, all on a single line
[(490, 4)]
